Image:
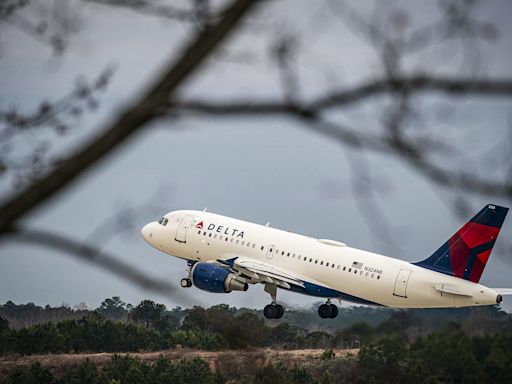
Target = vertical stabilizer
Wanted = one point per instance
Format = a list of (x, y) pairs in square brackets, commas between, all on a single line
[(466, 253)]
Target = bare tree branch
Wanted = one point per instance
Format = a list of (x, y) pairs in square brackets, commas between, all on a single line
[(96, 257), (61, 116), (53, 28), (134, 117), (150, 8), (344, 97), (390, 142)]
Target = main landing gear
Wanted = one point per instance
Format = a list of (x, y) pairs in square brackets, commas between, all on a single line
[(328, 310), (273, 310), (186, 282)]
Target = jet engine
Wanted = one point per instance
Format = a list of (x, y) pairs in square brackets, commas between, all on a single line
[(212, 278)]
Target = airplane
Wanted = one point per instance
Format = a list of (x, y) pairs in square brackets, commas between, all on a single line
[(225, 254)]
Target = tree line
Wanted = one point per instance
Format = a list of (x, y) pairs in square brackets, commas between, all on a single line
[(119, 327), (447, 356)]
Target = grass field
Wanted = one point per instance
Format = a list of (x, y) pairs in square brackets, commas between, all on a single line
[(57, 363)]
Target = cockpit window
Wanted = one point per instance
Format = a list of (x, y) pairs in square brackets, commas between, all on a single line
[(163, 221)]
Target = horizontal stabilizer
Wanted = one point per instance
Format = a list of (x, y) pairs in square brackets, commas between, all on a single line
[(503, 291), (447, 288)]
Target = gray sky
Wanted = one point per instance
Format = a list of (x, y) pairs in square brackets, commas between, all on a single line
[(265, 169)]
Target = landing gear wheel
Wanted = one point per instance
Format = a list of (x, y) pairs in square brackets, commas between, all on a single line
[(324, 311), (186, 282), (269, 311), (273, 311), (334, 311), (280, 311)]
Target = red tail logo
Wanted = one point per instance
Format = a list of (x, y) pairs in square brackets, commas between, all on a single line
[(466, 253)]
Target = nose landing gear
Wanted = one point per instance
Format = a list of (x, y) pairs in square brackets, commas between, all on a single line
[(273, 310), (328, 310), (186, 282)]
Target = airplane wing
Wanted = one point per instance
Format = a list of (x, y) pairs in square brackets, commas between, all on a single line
[(255, 271), (447, 288), (503, 291)]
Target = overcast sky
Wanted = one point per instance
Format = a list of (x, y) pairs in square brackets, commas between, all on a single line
[(255, 169)]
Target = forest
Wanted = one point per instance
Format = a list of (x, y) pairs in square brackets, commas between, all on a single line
[(453, 345), (116, 326)]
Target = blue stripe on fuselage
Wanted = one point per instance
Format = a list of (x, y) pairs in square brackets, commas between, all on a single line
[(316, 290)]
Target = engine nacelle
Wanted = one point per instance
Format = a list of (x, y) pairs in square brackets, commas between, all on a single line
[(212, 278)]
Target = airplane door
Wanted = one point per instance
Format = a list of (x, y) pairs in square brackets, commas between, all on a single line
[(401, 283), (270, 252), (181, 232)]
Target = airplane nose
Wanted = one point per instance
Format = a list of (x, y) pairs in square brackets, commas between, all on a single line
[(146, 232)]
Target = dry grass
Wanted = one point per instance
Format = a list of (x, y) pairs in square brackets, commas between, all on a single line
[(59, 363)]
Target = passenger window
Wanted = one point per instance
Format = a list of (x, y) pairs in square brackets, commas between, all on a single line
[(372, 276), (231, 239), (310, 259), (243, 243), (366, 274), (344, 268), (204, 233), (254, 245), (326, 264), (361, 273), (355, 271), (316, 261), (249, 244), (350, 269), (321, 263), (199, 232), (226, 238), (221, 238), (333, 266), (338, 267), (215, 236), (282, 253), (237, 241), (289, 254), (262, 248), (378, 277)]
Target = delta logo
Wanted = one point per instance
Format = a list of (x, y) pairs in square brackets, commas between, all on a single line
[(221, 229)]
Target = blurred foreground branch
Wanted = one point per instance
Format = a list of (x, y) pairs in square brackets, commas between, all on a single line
[(95, 256), (391, 140), (340, 98), (136, 116)]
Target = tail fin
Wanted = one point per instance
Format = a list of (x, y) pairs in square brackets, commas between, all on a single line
[(465, 254)]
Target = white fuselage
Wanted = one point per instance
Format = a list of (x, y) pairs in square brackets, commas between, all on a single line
[(357, 275)]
